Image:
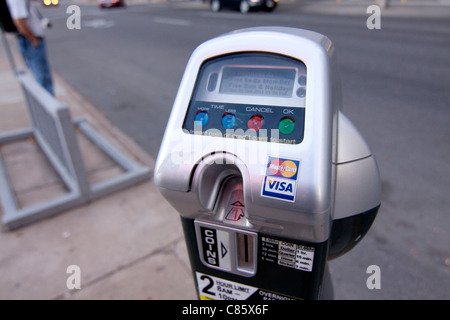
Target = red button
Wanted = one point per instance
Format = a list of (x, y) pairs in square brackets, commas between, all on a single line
[(255, 122)]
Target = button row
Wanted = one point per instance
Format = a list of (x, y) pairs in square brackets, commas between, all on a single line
[(286, 124)]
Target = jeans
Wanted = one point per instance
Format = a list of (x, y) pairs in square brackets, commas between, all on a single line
[(36, 60)]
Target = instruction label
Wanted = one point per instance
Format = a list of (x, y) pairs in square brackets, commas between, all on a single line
[(216, 246), (214, 288), (287, 254)]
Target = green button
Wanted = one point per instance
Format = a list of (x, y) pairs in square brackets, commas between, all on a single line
[(286, 125)]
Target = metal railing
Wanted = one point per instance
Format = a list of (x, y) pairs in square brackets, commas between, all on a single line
[(54, 131)]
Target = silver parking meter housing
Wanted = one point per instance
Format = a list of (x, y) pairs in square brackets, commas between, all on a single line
[(267, 180)]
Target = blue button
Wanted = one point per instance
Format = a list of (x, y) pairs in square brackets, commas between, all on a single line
[(228, 120), (201, 117)]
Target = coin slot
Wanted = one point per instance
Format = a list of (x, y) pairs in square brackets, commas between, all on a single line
[(246, 252)]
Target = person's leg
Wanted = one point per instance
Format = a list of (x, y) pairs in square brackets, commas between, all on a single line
[(24, 46), (41, 68), (36, 60)]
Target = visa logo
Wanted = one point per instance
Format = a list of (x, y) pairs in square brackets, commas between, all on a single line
[(280, 188)]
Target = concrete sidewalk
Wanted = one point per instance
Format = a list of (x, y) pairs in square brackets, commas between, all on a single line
[(128, 245)]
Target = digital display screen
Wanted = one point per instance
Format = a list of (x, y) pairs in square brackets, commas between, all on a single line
[(269, 82), (255, 96)]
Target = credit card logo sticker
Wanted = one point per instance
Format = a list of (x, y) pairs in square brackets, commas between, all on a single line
[(280, 179)]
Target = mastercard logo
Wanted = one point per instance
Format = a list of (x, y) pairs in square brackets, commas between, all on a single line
[(284, 168)]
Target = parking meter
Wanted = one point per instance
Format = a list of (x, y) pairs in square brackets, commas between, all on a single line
[(270, 178)]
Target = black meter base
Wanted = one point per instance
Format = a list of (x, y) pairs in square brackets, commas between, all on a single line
[(284, 269)]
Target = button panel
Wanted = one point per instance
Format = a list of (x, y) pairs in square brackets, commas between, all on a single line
[(243, 121)]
